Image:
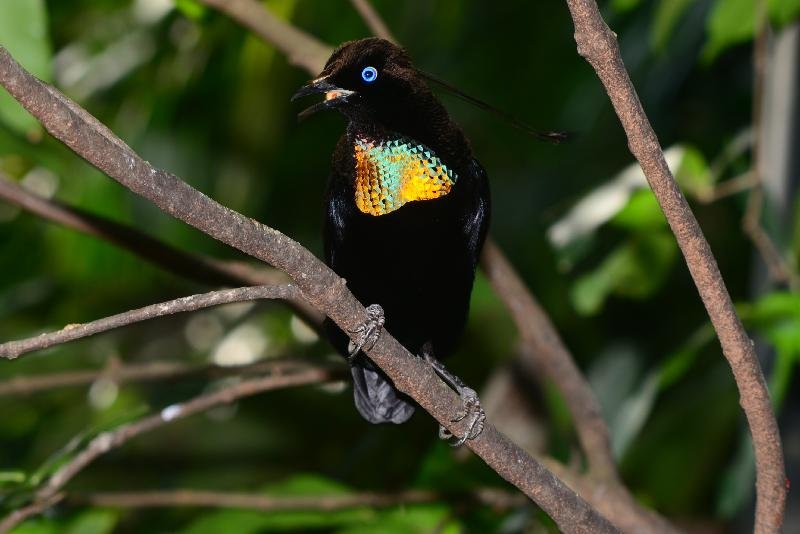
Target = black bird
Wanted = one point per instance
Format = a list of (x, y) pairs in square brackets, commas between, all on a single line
[(407, 209)]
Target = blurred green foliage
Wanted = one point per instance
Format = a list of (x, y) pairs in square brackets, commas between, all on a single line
[(196, 94)]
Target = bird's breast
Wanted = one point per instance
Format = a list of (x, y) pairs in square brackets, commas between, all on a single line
[(394, 171)]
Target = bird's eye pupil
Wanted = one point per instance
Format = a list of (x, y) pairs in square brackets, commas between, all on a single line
[(369, 74)]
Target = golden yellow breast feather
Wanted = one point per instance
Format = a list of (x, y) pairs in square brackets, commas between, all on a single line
[(393, 172)]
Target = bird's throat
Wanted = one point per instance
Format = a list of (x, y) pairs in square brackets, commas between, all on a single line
[(394, 171)]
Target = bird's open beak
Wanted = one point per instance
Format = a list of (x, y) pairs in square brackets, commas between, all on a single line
[(334, 96)]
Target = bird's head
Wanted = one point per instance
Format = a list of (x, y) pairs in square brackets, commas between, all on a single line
[(373, 81)]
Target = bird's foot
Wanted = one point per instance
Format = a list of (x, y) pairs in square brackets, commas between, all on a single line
[(471, 410), (368, 332)]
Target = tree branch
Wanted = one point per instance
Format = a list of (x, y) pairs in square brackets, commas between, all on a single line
[(195, 267), (35, 508), (14, 349), (545, 352), (598, 45), (93, 141), (139, 372), (495, 498), (107, 441), (373, 20), (300, 48)]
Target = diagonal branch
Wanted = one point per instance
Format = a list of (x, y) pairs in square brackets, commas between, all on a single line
[(50, 492), (373, 20), (598, 45), (14, 349), (94, 142), (300, 48), (544, 351), (191, 266), (33, 509)]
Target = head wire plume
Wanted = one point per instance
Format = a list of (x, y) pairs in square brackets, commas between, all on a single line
[(551, 136)]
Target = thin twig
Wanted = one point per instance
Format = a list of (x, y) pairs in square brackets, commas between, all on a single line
[(50, 491), (113, 439), (14, 349), (33, 509), (737, 184), (122, 373), (195, 267), (495, 498), (598, 45), (373, 20), (94, 142), (300, 49)]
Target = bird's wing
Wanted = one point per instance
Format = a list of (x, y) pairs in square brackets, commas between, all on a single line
[(476, 219)]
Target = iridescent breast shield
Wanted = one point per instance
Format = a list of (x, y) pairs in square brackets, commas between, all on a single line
[(392, 172)]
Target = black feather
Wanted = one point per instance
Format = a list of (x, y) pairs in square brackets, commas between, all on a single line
[(418, 262)]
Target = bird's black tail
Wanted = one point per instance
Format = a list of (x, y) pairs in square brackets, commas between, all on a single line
[(376, 398)]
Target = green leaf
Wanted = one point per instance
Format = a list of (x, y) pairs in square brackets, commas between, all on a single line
[(12, 477), (245, 521), (782, 12), (694, 174), (776, 317), (621, 6), (93, 522), (413, 519), (191, 8), (730, 22), (23, 32), (667, 15), (641, 213), (635, 270), (308, 484), (36, 526)]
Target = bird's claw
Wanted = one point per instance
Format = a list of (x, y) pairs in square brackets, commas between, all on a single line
[(473, 412), (368, 332)]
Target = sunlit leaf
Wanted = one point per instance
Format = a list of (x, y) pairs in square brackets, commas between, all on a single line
[(642, 212), (37, 526), (635, 269), (191, 8), (694, 175), (776, 317), (23, 31), (93, 522), (730, 22), (419, 519), (298, 485), (784, 11)]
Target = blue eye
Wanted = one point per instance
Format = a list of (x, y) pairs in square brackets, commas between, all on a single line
[(369, 74)]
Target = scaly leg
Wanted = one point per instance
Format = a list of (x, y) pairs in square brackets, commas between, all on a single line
[(367, 332), (471, 408)]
